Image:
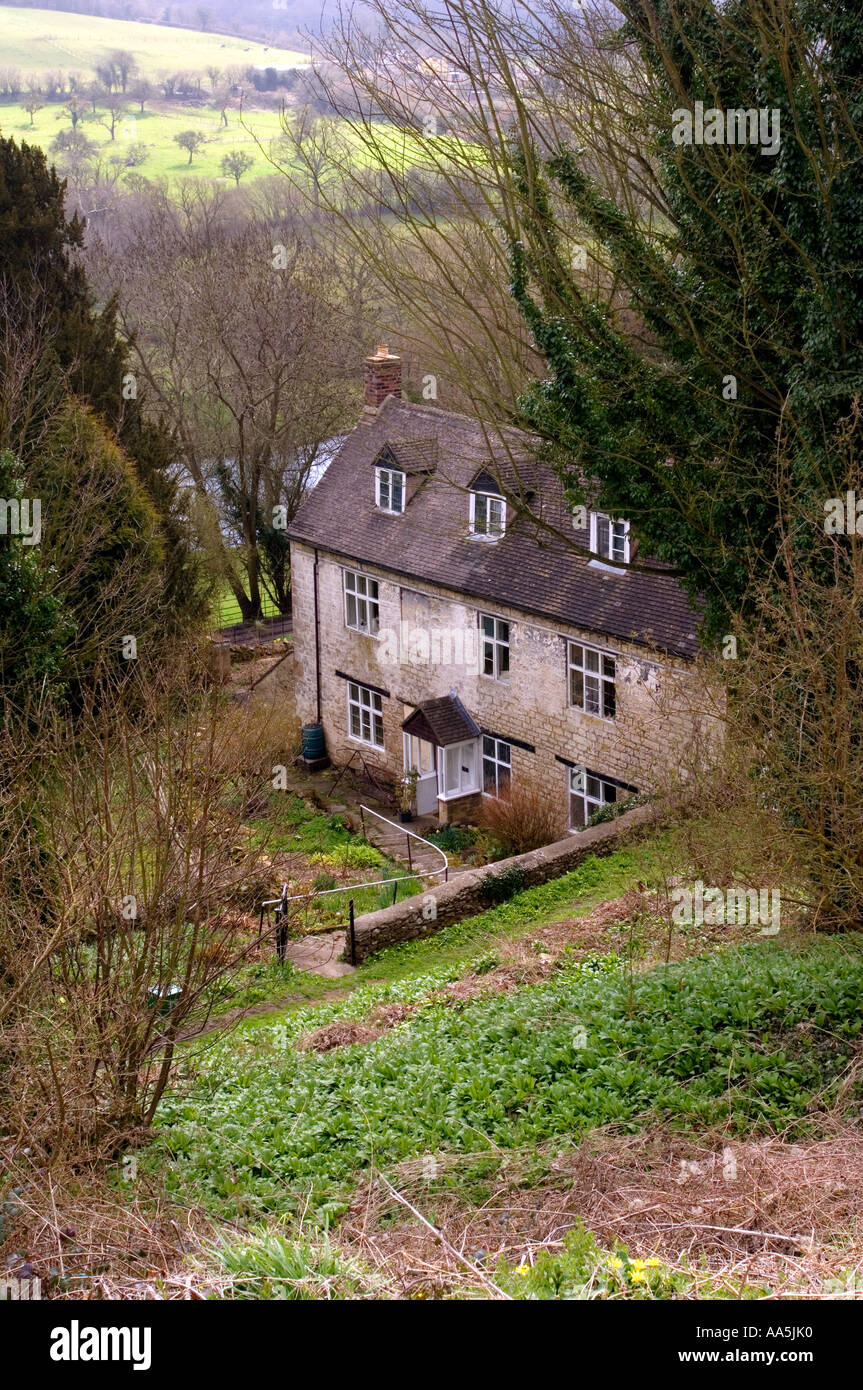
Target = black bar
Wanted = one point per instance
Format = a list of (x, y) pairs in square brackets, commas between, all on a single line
[(367, 685)]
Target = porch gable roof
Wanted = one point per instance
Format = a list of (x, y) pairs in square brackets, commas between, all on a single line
[(443, 722)]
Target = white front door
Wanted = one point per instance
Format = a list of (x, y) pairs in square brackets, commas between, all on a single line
[(420, 754)]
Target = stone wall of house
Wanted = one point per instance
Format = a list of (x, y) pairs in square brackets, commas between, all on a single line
[(428, 645), (444, 903)]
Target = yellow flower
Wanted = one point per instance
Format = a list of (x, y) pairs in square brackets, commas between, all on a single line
[(637, 1264), (522, 1269), (638, 1276), (654, 1263), (614, 1263)]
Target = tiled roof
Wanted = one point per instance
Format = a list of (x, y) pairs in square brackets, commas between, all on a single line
[(443, 721), (531, 568), (413, 455)]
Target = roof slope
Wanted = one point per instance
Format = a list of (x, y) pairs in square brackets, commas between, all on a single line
[(529, 569), (443, 721)]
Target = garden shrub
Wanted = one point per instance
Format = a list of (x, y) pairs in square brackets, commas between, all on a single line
[(497, 888)]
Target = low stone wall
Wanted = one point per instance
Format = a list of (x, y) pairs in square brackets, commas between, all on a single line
[(442, 903)]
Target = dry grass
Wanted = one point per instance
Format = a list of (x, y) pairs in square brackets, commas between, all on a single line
[(782, 1217), (86, 1240)]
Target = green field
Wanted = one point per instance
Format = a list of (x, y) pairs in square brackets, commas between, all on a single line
[(35, 40), (162, 120), (156, 129)]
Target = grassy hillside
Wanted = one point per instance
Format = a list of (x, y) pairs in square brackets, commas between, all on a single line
[(161, 121), (34, 40), (495, 1075), (156, 129)]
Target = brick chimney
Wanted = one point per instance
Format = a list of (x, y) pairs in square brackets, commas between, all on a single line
[(383, 377)]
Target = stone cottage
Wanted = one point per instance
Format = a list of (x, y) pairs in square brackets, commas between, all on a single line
[(443, 621)]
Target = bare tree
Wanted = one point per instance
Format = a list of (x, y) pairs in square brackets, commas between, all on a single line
[(235, 164), (119, 943), (190, 140), (140, 90), (249, 344), (115, 109), (75, 108), (124, 66)]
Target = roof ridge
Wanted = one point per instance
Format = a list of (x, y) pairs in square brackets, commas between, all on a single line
[(398, 403)]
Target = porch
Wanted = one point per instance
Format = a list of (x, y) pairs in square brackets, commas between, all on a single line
[(443, 744)]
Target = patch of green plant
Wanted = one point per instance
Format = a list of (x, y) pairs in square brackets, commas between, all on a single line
[(499, 888), (267, 1265), (582, 1271), (353, 854), (613, 809), (453, 839), (753, 1039)]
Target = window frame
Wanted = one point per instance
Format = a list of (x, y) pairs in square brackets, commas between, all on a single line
[(497, 644), (615, 524), (371, 602), (487, 497), (500, 793), (603, 681), (591, 799), (443, 754), (372, 708), (380, 471)]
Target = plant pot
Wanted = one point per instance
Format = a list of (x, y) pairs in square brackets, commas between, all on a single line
[(406, 815)]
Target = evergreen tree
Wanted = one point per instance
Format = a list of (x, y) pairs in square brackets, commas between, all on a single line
[(748, 291), (39, 268)]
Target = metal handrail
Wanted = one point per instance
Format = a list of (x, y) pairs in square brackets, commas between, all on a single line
[(376, 883), (348, 887), (413, 836)]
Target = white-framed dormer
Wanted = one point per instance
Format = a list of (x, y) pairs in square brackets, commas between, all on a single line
[(487, 515), (390, 490), (609, 538)]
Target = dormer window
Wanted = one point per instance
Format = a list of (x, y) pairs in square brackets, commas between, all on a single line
[(390, 490), (609, 539), (487, 515)]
